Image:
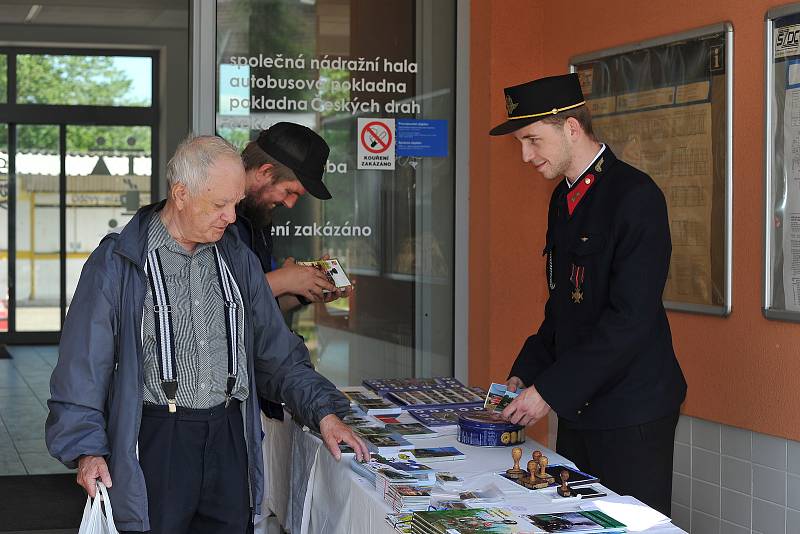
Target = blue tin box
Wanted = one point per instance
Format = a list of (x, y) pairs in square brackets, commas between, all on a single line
[(482, 430)]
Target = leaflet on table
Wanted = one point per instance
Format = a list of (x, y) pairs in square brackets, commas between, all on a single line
[(442, 419), (472, 521), (435, 454), (498, 397), (453, 396), (447, 480), (583, 522), (412, 430), (402, 419), (383, 385), (636, 515)]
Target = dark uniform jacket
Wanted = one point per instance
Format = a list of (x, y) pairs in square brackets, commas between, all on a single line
[(603, 355)]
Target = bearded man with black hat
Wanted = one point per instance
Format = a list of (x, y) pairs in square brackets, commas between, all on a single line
[(284, 163), (602, 358)]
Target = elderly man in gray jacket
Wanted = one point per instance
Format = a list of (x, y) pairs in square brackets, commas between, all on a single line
[(170, 334)]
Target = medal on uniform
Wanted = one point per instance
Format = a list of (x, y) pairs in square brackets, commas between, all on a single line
[(576, 277)]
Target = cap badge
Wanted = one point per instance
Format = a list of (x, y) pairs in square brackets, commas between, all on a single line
[(510, 105), (599, 166)]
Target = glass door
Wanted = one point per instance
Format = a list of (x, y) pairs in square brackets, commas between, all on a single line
[(78, 132), (37, 227), (4, 204), (108, 178)]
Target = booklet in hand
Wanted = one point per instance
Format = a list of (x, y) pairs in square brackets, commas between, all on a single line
[(333, 271), (498, 398)]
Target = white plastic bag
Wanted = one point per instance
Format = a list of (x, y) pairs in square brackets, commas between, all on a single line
[(94, 520)]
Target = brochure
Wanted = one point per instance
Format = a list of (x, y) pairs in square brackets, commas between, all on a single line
[(333, 271)]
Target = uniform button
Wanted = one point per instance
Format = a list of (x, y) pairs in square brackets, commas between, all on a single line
[(579, 412), (587, 404)]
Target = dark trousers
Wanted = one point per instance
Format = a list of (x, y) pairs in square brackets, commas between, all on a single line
[(634, 460), (195, 468)]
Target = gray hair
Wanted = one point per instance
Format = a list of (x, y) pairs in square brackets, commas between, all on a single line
[(253, 157), (194, 157)]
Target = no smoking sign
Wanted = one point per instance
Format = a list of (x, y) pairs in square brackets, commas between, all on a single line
[(376, 143)]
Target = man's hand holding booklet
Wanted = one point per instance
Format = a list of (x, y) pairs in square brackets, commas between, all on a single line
[(333, 270)]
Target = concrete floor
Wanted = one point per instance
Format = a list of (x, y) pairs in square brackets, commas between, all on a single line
[(24, 390)]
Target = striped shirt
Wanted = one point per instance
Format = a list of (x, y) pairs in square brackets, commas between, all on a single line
[(198, 321)]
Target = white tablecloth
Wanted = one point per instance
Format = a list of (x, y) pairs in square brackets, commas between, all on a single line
[(310, 492)]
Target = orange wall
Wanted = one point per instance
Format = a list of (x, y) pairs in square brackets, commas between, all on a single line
[(742, 370)]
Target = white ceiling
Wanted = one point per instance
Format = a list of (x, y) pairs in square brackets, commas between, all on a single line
[(109, 13)]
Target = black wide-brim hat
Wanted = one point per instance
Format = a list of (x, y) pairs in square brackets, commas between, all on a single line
[(301, 149), (533, 101)]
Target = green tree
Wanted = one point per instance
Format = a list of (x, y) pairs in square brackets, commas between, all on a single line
[(74, 80), (71, 80), (3, 79)]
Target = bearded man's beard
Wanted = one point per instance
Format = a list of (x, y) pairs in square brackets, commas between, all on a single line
[(260, 216)]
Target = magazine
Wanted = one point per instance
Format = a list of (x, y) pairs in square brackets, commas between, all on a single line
[(472, 521), (584, 522)]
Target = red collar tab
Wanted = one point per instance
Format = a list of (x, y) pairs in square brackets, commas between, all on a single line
[(578, 191)]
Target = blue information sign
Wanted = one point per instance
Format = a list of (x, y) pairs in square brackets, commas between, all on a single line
[(421, 138)]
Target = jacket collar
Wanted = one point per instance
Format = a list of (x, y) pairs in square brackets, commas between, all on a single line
[(132, 241), (594, 173)]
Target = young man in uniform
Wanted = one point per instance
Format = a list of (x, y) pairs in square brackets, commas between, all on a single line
[(602, 358)]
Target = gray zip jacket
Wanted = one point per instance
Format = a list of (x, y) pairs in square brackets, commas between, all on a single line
[(96, 387)]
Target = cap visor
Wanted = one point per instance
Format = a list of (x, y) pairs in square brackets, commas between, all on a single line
[(511, 126), (316, 188)]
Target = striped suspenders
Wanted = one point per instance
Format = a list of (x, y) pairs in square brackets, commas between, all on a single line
[(165, 336)]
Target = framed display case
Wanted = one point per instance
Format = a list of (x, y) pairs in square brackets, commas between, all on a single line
[(665, 106)]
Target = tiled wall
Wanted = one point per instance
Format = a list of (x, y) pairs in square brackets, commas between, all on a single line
[(732, 481)]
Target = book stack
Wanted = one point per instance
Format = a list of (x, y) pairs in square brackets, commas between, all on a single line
[(443, 419), (424, 475), (437, 454), (381, 475), (369, 402), (449, 481), (412, 430), (408, 498), (382, 441)]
